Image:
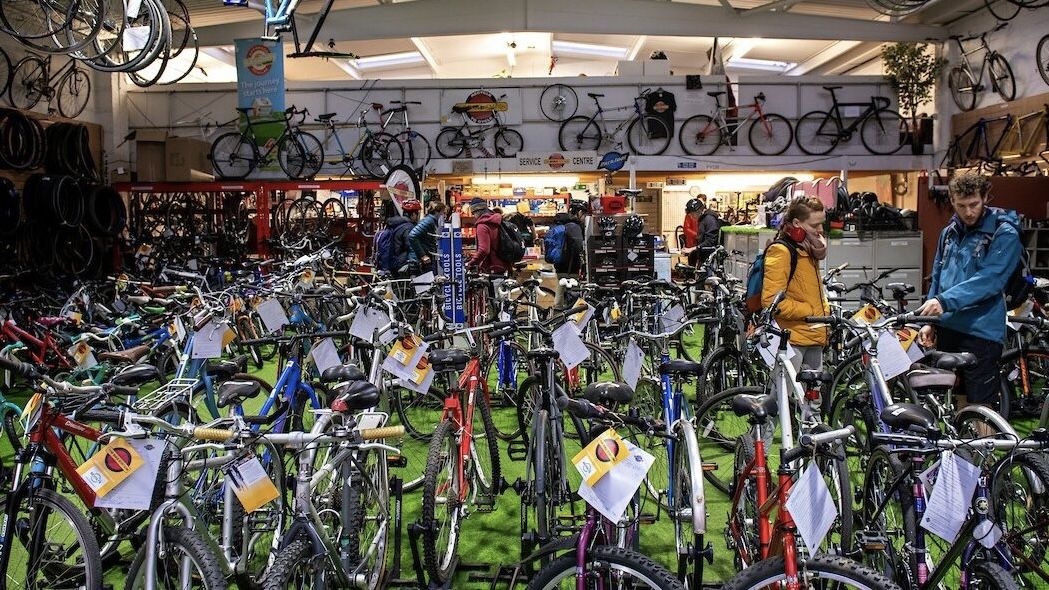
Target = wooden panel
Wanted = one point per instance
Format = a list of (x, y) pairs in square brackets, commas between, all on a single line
[(95, 137), (1017, 108)]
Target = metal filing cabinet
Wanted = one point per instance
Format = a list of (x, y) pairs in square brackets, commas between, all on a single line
[(898, 252)]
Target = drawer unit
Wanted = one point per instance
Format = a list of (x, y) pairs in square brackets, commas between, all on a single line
[(858, 253), (911, 276), (731, 241), (900, 252)]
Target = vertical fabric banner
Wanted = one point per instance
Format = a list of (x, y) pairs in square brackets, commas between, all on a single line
[(260, 85), (450, 254)]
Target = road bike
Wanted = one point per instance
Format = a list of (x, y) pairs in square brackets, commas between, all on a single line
[(415, 148), (882, 130), (378, 152), (453, 141), (237, 154), (645, 134), (979, 144), (966, 83), (769, 134), (1027, 135), (32, 81)]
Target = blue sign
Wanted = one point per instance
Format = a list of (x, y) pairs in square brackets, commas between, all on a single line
[(687, 165), (260, 82), (450, 254), (612, 161)]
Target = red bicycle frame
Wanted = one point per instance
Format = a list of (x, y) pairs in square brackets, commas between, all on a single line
[(36, 347), (43, 434), (453, 411)]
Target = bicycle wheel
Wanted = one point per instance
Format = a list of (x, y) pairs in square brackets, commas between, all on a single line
[(558, 102), (505, 371), (416, 149), (1042, 58), (74, 91), (688, 541), (990, 576), (484, 468), (723, 368), (234, 155), (1020, 502), (1001, 73), (381, 153), (5, 72), (442, 509), (450, 142), (296, 567), (606, 567), (718, 427), (419, 412), (887, 518), (1003, 10), (508, 142), (818, 133), (700, 136), (838, 572), (539, 503), (963, 87), (51, 544), (313, 153), (883, 132), (770, 136), (291, 155), (648, 136), (579, 133), (745, 513), (28, 83), (370, 521), (1025, 381), (833, 465), (184, 560)]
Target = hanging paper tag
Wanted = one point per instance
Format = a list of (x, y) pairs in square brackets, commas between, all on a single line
[(951, 496), (421, 377), (673, 318), (891, 356), (570, 346), (597, 458), (31, 412), (580, 319), (366, 321), (272, 314), (84, 354), (228, 337), (404, 357), (325, 355), (812, 507), (75, 316), (868, 314), (136, 492), (208, 342), (423, 282), (251, 483), (632, 364), (177, 330), (613, 492), (110, 466)]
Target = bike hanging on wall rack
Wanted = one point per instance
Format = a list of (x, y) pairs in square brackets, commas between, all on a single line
[(882, 130), (378, 152), (769, 134), (453, 141), (236, 154), (966, 83), (1042, 58), (32, 81), (646, 135)]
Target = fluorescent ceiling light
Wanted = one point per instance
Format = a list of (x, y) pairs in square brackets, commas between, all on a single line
[(590, 50), (527, 180), (767, 65), (390, 60)]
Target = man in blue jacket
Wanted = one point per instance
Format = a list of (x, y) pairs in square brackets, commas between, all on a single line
[(975, 255), (423, 237)]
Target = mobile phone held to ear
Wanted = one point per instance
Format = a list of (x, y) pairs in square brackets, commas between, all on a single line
[(795, 233)]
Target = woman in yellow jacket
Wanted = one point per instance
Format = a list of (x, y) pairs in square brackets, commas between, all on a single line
[(802, 226)]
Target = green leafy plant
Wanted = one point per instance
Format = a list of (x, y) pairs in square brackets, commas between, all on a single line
[(912, 70)]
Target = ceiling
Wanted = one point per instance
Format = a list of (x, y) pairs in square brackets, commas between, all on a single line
[(433, 36)]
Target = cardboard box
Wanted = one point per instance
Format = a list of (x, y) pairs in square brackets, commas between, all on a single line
[(630, 68), (187, 160), (149, 154), (657, 67)]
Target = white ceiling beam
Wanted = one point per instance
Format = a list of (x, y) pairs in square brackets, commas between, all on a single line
[(825, 56), (349, 68), (424, 50), (636, 47), (640, 17)]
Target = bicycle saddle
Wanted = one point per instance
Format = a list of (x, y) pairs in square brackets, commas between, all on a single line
[(355, 395), (449, 359), (235, 392), (910, 418), (340, 373), (377, 106), (127, 356), (394, 110), (831, 88), (326, 116), (900, 289), (223, 370), (812, 379), (681, 367), (594, 95), (542, 354), (758, 407), (136, 375), (715, 94), (927, 377), (951, 361), (609, 392)]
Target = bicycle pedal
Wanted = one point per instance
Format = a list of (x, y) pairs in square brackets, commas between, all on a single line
[(399, 461), (872, 543), (647, 518), (517, 450), (710, 466), (484, 503)]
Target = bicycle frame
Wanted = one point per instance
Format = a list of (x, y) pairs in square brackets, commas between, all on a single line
[(468, 383), (598, 118), (983, 46), (37, 347), (720, 113)]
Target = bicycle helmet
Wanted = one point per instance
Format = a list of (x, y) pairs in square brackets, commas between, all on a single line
[(607, 226), (694, 205), (633, 226), (577, 205), (411, 205)]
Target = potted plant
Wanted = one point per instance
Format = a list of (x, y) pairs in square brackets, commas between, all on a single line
[(912, 71)]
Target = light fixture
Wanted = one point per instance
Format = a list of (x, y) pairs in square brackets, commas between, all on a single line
[(765, 65), (390, 60), (511, 54), (589, 50), (527, 180)]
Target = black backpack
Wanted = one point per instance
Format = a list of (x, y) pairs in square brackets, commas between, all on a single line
[(510, 248)]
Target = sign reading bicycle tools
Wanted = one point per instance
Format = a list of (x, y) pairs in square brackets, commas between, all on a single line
[(620, 467), (260, 83), (450, 251)]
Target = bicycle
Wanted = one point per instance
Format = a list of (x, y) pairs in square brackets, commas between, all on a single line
[(1036, 125), (882, 130), (769, 134), (966, 84), (1042, 58), (375, 150), (415, 148), (645, 134), (32, 81), (453, 141), (236, 154), (977, 144)]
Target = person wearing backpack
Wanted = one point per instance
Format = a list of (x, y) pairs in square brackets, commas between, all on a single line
[(977, 255), (392, 250), (486, 227), (564, 246), (423, 237), (792, 264)]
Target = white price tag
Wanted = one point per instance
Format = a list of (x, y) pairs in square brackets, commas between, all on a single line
[(366, 321), (272, 314), (613, 492), (136, 492), (673, 317), (948, 506), (83, 354), (207, 343), (325, 355), (891, 355), (423, 282), (812, 507), (404, 358), (251, 483), (570, 346), (135, 38), (632, 364)]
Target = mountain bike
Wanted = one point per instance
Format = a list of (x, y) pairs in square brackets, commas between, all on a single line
[(966, 83), (32, 81), (453, 141), (769, 134), (237, 154), (378, 152), (645, 134), (882, 130)]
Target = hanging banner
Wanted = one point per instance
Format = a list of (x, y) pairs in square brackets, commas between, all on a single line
[(580, 161), (260, 84), (450, 252)]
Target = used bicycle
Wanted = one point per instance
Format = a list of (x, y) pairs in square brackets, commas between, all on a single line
[(966, 83), (769, 134), (645, 134), (882, 130), (32, 81), (237, 154)]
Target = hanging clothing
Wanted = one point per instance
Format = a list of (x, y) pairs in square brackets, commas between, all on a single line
[(661, 104)]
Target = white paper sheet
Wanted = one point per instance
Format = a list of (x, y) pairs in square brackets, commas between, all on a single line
[(423, 282), (405, 370), (581, 319), (632, 364), (420, 387), (366, 321), (893, 358), (951, 496), (612, 493), (768, 353), (812, 507), (207, 344), (136, 492), (325, 355), (570, 346), (272, 314), (672, 318)]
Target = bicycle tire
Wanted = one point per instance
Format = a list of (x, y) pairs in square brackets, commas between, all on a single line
[(699, 136), (1002, 81), (745, 514), (846, 572), (1015, 369), (370, 518), (723, 368), (415, 148), (835, 472), (450, 142), (296, 567), (687, 539), (648, 136), (291, 156), (631, 570), (490, 479), (1042, 57), (28, 81), (894, 523), (717, 424), (379, 154), (31, 7), (558, 102), (234, 155), (440, 567), (812, 135), (5, 72), (963, 88), (508, 142), (13, 430), (506, 398), (545, 502), (1024, 531), (206, 570), (579, 133), (778, 135), (1003, 10), (883, 132), (87, 568)]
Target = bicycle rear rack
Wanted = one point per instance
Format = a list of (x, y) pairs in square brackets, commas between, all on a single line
[(176, 389)]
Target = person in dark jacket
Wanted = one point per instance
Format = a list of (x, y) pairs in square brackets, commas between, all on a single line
[(570, 266), (423, 237), (975, 255), (401, 226), (486, 227)]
